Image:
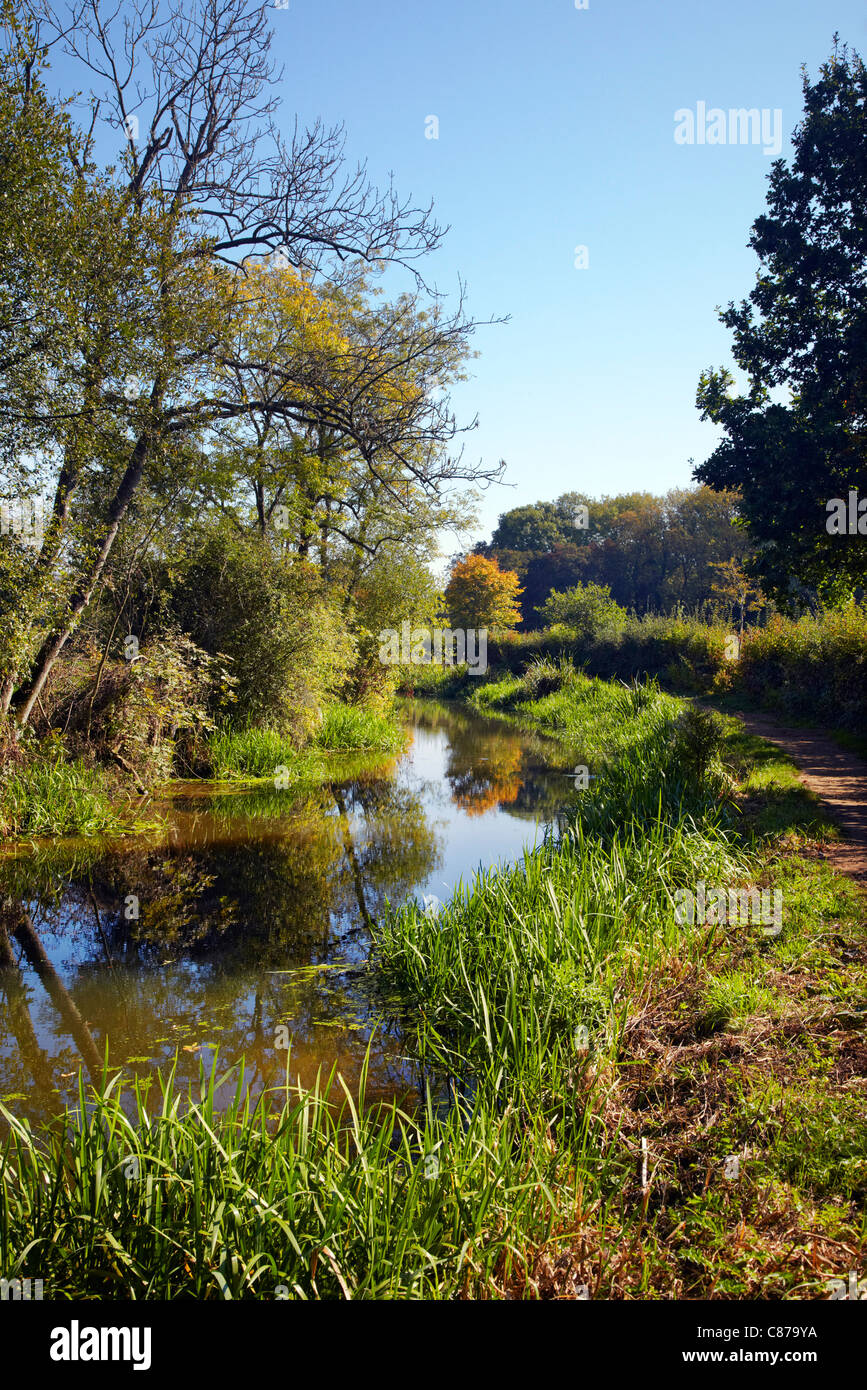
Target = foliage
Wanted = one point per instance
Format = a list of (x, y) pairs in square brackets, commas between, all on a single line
[(272, 618), (587, 610), (481, 595), (802, 331), (812, 668), (653, 553), (206, 338)]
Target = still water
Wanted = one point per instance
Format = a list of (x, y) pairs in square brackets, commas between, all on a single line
[(248, 921)]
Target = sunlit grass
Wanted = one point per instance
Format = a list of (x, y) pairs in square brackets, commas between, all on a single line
[(55, 797), (259, 752), (304, 1195)]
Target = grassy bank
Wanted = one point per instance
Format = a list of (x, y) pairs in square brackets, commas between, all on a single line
[(811, 669), (256, 753), (44, 794), (44, 791), (605, 1061)]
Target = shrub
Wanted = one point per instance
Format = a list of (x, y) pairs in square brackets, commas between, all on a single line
[(811, 668), (289, 646), (586, 610), (698, 739)]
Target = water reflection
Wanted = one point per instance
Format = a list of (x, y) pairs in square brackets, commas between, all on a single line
[(249, 921)]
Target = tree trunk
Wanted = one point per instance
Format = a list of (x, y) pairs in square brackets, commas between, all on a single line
[(54, 645), (66, 485)]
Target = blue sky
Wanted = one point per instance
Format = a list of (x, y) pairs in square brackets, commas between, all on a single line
[(556, 129)]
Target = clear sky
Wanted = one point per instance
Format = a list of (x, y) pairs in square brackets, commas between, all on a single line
[(556, 130)]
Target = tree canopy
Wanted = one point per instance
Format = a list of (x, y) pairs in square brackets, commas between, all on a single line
[(795, 438)]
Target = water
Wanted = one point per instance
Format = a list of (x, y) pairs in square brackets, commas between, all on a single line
[(253, 915)]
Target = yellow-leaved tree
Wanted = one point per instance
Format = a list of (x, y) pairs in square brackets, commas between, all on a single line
[(480, 594)]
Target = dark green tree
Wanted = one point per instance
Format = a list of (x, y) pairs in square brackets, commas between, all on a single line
[(796, 437)]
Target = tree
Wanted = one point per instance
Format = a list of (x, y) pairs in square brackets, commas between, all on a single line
[(652, 552), (533, 528), (587, 609), (165, 359), (734, 586), (479, 594), (803, 333)]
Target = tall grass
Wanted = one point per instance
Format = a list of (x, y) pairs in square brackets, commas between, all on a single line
[(248, 753), (508, 972), (49, 796), (258, 752), (354, 727), (315, 1197)]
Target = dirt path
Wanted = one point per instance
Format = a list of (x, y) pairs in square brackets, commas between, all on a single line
[(838, 777)]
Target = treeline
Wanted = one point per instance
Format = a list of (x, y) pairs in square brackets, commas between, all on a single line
[(655, 554)]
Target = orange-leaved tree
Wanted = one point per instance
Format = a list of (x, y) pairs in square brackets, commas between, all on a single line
[(480, 594)]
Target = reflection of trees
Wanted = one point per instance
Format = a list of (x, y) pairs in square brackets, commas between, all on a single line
[(395, 848), (230, 935), (494, 763), (481, 787), (241, 917), (30, 1063)]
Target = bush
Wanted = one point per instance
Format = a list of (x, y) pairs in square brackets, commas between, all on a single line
[(812, 668), (699, 735), (586, 610), (289, 646), (145, 714)]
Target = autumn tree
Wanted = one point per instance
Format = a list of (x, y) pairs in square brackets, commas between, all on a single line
[(734, 587), (479, 594)]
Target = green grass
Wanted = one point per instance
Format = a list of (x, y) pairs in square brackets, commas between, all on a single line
[(353, 727), (731, 998), (55, 797), (316, 1196), (563, 1016), (248, 754), (602, 717)]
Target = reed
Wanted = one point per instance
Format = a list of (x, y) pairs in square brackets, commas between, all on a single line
[(49, 796)]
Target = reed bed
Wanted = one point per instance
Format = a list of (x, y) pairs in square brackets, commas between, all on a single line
[(251, 753), (50, 796)]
